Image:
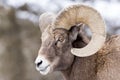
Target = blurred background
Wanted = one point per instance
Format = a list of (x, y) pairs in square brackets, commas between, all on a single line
[(20, 35)]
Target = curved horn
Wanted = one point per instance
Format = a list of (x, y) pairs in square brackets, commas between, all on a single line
[(76, 14), (45, 20)]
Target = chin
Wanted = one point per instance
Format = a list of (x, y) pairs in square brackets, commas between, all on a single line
[(46, 71)]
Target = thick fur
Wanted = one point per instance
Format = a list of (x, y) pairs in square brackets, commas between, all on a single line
[(104, 65)]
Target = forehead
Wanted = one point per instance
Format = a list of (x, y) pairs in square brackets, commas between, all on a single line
[(60, 31), (46, 35)]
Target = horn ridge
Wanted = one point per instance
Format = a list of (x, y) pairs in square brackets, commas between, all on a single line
[(76, 14)]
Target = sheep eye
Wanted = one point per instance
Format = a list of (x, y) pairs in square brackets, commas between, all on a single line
[(60, 39)]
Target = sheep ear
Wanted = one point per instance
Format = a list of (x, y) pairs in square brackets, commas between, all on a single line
[(73, 32), (45, 20)]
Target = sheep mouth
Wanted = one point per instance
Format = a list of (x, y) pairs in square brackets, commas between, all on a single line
[(45, 70)]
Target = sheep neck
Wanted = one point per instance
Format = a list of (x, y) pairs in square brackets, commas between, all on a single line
[(81, 69)]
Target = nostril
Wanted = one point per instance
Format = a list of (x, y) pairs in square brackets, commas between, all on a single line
[(39, 63)]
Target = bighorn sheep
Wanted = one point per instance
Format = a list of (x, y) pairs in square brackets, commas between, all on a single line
[(65, 48)]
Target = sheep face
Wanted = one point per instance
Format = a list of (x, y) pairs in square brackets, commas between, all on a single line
[(55, 54)]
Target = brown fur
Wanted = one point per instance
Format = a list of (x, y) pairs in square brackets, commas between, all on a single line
[(104, 65)]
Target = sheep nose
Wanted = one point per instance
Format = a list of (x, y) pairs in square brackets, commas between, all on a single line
[(39, 63)]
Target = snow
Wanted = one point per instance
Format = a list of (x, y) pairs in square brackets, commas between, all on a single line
[(109, 10), (16, 3), (27, 15)]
